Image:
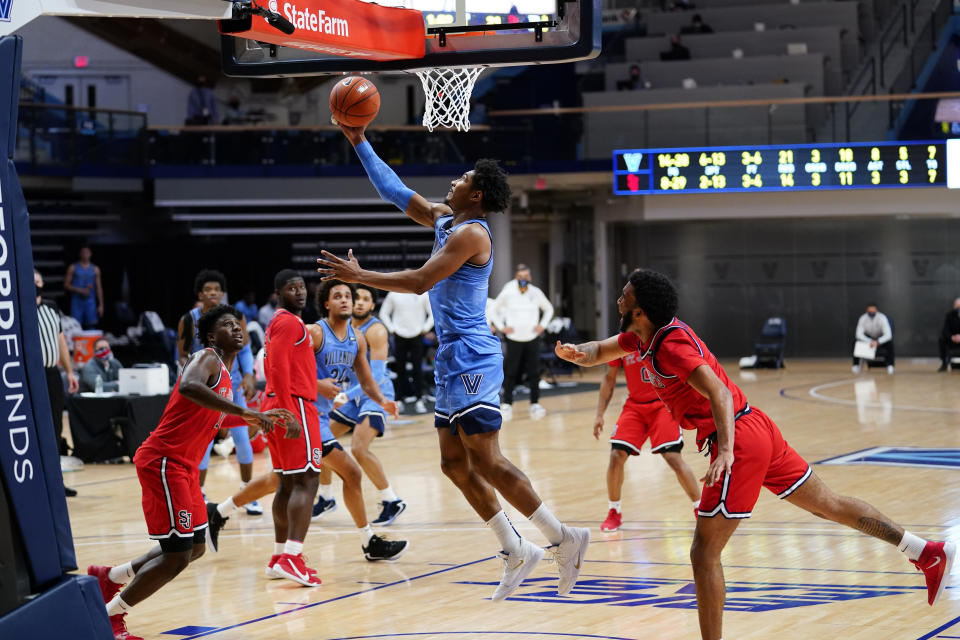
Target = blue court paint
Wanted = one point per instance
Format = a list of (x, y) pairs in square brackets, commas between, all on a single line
[(744, 597), (935, 632), (188, 630), (931, 458)]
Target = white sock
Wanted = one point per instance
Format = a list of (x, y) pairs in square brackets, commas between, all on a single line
[(326, 491), (548, 524), (616, 505), (387, 495), (912, 545), (506, 534), (293, 547), (226, 507), (278, 548), (122, 573), (117, 605), (365, 534)]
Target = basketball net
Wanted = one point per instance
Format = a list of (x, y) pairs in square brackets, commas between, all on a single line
[(448, 90)]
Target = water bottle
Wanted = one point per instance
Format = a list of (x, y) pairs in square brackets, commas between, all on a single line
[(98, 385)]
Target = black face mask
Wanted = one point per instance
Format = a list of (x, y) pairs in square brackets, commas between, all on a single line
[(523, 283), (872, 315)]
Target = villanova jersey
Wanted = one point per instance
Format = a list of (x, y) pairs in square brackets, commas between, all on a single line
[(335, 360), (459, 301)]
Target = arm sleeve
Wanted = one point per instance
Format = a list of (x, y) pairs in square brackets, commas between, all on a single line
[(386, 310), (860, 335), (245, 359), (887, 334), (386, 182), (628, 341), (679, 356), (547, 310), (428, 322)]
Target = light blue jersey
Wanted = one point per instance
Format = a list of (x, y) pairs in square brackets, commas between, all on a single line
[(335, 360), (362, 407), (468, 369)]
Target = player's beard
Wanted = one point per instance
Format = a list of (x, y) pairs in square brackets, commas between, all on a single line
[(362, 317), (625, 321)]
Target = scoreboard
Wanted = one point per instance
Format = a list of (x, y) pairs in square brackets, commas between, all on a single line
[(800, 167)]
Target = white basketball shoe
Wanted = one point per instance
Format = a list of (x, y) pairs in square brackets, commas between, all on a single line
[(516, 567)]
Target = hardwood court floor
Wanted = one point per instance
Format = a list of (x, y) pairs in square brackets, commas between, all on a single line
[(789, 574)]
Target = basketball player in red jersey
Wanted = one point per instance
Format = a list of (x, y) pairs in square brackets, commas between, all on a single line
[(167, 467), (291, 373), (643, 416), (747, 450)]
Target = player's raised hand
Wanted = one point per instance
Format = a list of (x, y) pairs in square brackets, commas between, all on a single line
[(720, 465), (354, 134), (334, 268), (597, 427), (568, 352)]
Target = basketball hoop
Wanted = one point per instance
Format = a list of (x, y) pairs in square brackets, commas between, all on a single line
[(448, 90)]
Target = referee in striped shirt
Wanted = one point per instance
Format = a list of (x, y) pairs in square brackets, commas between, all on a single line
[(53, 345)]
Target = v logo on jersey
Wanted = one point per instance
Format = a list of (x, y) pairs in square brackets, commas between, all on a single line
[(6, 6), (472, 382)]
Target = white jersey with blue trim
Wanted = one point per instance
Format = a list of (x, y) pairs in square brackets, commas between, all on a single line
[(459, 301), (335, 360)]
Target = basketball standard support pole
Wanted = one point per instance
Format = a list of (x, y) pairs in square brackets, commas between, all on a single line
[(37, 533)]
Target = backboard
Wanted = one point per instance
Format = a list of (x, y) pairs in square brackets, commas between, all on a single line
[(457, 33)]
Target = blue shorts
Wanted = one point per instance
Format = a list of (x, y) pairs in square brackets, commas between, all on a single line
[(327, 439), (468, 374), (358, 410)]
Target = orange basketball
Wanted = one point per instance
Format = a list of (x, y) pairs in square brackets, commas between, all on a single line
[(354, 101)]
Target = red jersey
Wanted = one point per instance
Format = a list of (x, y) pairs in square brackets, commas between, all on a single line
[(639, 389), (185, 427), (289, 362), (672, 355)]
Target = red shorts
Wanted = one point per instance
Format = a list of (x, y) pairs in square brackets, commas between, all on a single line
[(637, 422), (172, 501), (300, 454), (761, 458), (258, 442)]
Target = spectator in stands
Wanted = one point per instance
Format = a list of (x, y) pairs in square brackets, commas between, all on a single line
[(53, 351), (248, 306), (874, 328), (86, 292), (676, 52), (233, 114), (408, 317), (950, 335), (521, 312), (682, 5), (697, 25), (202, 104), (102, 365), (267, 310), (633, 81)]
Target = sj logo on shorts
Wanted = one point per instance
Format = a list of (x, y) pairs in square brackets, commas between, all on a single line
[(317, 456), (184, 518), (472, 382)]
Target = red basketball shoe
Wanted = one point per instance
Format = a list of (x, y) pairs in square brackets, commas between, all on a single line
[(613, 521), (120, 628), (295, 568), (108, 588), (935, 563)]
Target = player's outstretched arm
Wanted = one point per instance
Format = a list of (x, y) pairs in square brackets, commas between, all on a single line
[(590, 354), (706, 382), (368, 382), (389, 185), (464, 244)]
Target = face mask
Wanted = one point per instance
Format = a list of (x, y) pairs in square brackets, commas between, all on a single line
[(872, 315), (103, 354), (523, 283)]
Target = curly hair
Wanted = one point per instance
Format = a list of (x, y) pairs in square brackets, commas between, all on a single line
[(373, 292), (323, 294), (208, 321), (656, 295), (283, 277), (209, 275), (491, 181)]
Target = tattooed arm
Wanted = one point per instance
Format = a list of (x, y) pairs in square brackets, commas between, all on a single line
[(592, 353)]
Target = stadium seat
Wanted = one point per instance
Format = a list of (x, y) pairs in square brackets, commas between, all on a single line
[(769, 347)]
